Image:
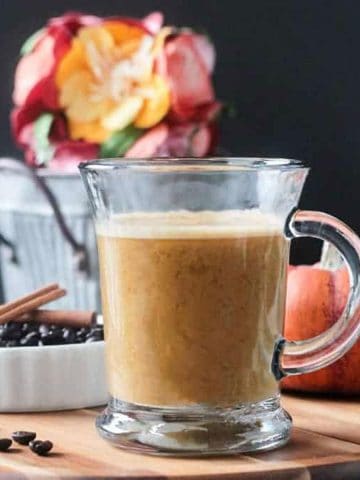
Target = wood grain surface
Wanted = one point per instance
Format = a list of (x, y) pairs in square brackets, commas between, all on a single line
[(325, 445)]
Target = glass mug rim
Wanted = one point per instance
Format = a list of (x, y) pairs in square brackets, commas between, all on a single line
[(217, 163)]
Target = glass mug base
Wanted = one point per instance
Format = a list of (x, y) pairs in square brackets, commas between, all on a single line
[(195, 431)]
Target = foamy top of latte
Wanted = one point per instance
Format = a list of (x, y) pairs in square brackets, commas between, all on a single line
[(187, 224)]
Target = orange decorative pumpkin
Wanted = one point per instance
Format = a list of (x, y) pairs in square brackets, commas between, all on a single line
[(315, 299)]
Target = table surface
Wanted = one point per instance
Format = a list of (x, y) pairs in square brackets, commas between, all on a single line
[(325, 444)]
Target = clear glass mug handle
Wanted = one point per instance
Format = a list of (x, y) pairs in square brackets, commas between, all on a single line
[(293, 358)]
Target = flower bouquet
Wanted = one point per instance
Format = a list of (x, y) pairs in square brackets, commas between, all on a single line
[(88, 87)]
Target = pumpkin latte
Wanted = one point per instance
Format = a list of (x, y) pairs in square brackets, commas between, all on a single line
[(192, 303)]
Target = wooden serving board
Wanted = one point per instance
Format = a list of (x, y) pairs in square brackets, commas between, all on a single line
[(325, 445)]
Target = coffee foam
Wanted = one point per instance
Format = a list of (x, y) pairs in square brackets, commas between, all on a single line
[(187, 224)]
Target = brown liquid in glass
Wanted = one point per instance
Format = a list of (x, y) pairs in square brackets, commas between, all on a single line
[(192, 304)]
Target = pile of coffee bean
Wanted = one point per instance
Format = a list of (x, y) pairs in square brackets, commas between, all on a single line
[(31, 334), (40, 447)]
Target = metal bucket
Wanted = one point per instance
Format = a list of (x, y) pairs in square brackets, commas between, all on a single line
[(42, 245)]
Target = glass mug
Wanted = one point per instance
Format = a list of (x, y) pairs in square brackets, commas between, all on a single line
[(193, 261)]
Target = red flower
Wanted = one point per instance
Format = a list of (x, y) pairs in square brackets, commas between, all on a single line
[(35, 73)]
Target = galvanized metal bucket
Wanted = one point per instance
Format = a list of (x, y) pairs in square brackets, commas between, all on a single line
[(47, 235)]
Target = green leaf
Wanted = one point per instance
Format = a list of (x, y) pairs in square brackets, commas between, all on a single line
[(29, 44), (42, 146), (120, 142)]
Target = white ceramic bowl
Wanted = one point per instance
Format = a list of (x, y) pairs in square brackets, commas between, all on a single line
[(55, 377)]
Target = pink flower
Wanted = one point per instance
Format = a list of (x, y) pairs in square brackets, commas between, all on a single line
[(68, 154), (187, 62), (185, 140)]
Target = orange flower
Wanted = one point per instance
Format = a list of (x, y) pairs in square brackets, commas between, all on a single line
[(106, 81)]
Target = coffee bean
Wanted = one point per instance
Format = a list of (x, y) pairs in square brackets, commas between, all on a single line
[(91, 340), (56, 329), (68, 335), (22, 437), (43, 329), (25, 328), (53, 337), (29, 327), (40, 447), (5, 444), (94, 337), (97, 332), (30, 340), (98, 335), (11, 331), (81, 335), (98, 329), (82, 332)]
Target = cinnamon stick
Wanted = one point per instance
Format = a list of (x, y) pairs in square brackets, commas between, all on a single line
[(20, 301), (26, 309), (13, 310), (63, 318)]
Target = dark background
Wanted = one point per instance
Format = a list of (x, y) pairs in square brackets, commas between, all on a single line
[(291, 68)]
